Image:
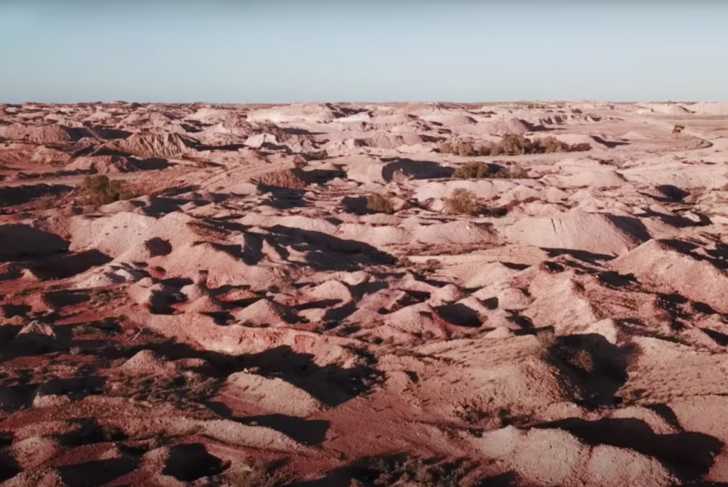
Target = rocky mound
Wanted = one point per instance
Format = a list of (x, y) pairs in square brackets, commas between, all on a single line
[(579, 230), (152, 145), (678, 266)]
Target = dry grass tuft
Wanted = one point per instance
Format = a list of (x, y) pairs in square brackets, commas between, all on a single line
[(463, 202), (379, 204)]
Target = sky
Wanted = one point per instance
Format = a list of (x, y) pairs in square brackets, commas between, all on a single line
[(372, 50)]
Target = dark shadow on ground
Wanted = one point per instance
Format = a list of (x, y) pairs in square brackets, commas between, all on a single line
[(97, 472), (416, 169), (68, 265), (459, 314), (23, 241), (689, 454), (188, 462), (18, 195), (596, 367), (582, 255), (610, 144)]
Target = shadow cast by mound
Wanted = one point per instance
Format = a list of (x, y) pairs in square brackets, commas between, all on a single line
[(459, 314), (609, 144), (689, 454), (330, 384), (188, 462), (18, 195), (97, 472), (64, 266), (416, 169), (596, 367), (325, 252), (23, 241), (283, 198)]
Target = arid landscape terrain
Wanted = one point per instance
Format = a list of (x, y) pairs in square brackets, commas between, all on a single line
[(315, 295)]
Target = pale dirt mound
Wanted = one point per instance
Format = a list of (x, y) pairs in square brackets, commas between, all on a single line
[(414, 232), (49, 155), (114, 164), (447, 117), (125, 237), (509, 374), (294, 114), (571, 462), (559, 300), (505, 126), (678, 173), (451, 233), (584, 174), (264, 394), (674, 265), (213, 115), (665, 109), (709, 108), (151, 145), (578, 230), (388, 140), (41, 134)]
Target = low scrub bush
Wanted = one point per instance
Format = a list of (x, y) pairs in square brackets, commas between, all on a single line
[(510, 145), (479, 170), (463, 202), (100, 190)]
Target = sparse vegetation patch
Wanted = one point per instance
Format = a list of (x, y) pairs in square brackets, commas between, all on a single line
[(479, 170), (510, 145), (100, 190), (463, 202)]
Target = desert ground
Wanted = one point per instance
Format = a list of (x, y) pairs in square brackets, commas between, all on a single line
[(525, 294)]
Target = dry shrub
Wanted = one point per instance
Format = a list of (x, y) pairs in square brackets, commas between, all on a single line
[(255, 474), (379, 204), (580, 147), (475, 170), (510, 145), (287, 178), (403, 470), (463, 202), (100, 190), (479, 170)]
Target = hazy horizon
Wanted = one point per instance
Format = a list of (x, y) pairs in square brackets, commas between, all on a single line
[(223, 51)]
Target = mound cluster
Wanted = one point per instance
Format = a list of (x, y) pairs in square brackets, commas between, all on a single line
[(363, 294)]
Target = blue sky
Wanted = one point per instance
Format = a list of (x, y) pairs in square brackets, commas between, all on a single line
[(376, 50)]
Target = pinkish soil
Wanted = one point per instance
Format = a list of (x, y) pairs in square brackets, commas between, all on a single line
[(245, 319)]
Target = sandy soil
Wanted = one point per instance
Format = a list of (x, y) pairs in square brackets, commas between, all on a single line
[(351, 295)]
